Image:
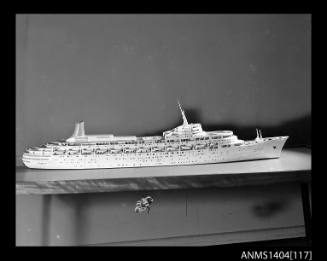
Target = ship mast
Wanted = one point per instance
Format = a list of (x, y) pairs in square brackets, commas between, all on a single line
[(259, 135), (183, 114)]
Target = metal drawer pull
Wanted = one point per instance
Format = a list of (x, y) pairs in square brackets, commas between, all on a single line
[(144, 204)]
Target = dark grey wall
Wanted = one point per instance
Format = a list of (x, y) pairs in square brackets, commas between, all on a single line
[(122, 74)]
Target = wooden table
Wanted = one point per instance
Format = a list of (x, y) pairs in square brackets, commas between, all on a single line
[(199, 204)]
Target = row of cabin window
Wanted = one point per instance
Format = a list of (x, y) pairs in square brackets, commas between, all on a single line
[(229, 145), (138, 142)]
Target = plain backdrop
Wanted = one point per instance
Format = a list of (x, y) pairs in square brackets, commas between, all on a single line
[(122, 74)]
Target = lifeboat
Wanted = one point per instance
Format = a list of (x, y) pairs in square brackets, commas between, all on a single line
[(129, 150), (73, 152), (115, 151), (87, 151), (59, 152), (157, 149), (141, 150), (200, 146), (100, 151), (60, 149), (186, 147), (74, 149), (170, 148)]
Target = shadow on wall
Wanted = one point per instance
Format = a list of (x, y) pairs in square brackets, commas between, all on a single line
[(269, 209), (298, 130)]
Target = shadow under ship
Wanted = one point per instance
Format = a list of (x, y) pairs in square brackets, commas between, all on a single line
[(186, 144)]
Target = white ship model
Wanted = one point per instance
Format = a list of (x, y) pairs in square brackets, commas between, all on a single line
[(186, 144)]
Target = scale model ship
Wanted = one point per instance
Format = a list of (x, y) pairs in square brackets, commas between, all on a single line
[(186, 144)]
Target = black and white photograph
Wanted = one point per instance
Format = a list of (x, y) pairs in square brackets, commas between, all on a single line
[(169, 129)]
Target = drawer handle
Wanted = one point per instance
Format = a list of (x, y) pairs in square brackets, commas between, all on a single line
[(144, 204)]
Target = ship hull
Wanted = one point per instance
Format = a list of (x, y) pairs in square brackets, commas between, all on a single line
[(264, 149)]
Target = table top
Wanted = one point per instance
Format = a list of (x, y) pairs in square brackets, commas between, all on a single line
[(293, 165)]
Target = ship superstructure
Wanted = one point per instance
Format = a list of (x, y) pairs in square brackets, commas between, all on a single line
[(186, 144)]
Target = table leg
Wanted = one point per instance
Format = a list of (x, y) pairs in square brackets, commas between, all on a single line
[(307, 211)]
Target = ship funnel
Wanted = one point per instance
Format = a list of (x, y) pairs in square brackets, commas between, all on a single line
[(183, 114), (79, 129)]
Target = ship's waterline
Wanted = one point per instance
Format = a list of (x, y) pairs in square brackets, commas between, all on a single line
[(184, 145)]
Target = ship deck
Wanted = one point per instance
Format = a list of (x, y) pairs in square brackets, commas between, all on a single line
[(294, 165)]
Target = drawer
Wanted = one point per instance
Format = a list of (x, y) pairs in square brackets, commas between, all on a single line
[(190, 216)]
